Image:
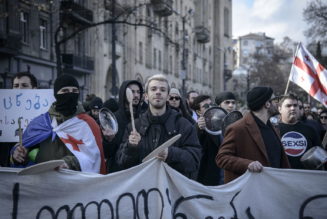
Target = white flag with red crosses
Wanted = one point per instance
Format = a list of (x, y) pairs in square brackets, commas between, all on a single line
[(309, 74), (82, 136)]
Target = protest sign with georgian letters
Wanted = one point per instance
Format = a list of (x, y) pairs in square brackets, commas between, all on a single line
[(21, 103)]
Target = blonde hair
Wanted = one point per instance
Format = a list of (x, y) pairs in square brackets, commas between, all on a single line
[(156, 77)]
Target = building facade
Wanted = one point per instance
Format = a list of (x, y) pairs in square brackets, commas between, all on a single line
[(189, 41), (249, 44)]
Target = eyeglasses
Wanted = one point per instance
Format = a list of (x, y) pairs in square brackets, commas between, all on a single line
[(208, 105), (229, 102), (323, 117), (176, 98)]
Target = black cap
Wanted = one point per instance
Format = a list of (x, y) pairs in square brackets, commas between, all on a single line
[(258, 96), (64, 81), (224, 96), (96, 103)]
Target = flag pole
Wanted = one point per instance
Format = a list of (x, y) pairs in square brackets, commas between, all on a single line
[(288, 81)]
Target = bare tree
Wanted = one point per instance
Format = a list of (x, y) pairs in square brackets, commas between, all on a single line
[(270, 69), (315, 14)]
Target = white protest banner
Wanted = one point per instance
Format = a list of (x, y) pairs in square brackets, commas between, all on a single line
[(154, 190), (21, 103)]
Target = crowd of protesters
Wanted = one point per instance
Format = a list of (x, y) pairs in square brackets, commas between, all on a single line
[(161, 112)]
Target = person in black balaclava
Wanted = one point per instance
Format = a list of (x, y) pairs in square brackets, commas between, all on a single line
[(66, 92), (66, 106)]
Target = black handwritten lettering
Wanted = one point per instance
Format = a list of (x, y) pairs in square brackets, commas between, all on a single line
[(182, 199), (145, 196), (306, 202), (139, 206)]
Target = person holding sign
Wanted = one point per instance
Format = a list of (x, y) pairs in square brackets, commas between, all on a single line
[(158, 124), (64, 132), (21, 80), (24, 80)]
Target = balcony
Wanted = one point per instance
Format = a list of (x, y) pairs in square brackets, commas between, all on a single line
[(202, 34), (10, 44), (77, 64), (76, 12), (163, 7), (120, 5)]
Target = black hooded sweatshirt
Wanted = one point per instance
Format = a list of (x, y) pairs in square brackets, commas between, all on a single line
[(123, 118)]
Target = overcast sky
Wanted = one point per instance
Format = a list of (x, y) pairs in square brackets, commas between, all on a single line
[(277, 18)]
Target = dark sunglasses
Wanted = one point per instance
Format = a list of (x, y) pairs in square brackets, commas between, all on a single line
[(229, 102), (323, 117), (176, 98)]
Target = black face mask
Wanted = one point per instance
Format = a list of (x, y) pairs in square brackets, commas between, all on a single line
[(67, 103)]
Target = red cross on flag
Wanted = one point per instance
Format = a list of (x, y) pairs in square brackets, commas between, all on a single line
[(82, 136), (309, 74)]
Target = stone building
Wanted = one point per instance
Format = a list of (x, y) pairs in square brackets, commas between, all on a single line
[(189, 41)]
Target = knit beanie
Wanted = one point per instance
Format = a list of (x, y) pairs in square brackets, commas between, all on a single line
[(221, 97), (174, 91), (96, 103), (64, 81), (258, 96)]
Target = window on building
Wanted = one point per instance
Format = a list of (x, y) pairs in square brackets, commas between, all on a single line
[(80, 41), (24, 26), (154, 58), (141, 52), (43, 34), (245, 43), (226, 22)]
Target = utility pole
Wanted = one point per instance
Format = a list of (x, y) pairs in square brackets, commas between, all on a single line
[(114, 89)]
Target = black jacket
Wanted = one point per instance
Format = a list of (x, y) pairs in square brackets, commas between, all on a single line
[(209, 173), (123, 118), (184, 155)]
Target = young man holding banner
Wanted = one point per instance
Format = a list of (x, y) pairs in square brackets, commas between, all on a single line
[(65, 132), (158, 124)]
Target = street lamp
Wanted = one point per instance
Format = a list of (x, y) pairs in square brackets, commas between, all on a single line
[(183, 62)]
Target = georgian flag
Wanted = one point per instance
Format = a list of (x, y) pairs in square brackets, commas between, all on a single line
[(309, 74), (82, 136)]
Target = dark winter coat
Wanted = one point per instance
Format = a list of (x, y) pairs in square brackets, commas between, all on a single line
[(184, 155), (209, 173)]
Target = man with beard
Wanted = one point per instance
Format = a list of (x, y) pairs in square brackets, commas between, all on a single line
[(123, 117), (297, 137), (252, 142), (65, 132), (158, 124)]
